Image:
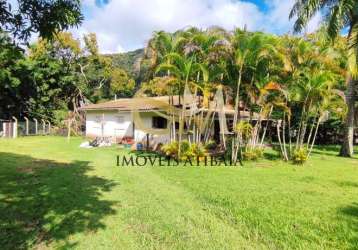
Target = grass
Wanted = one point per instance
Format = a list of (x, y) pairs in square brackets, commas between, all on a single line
[(54, 194)]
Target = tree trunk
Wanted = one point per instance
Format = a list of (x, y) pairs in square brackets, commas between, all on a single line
[(257, 128), (284, 136), (314, 137), (234, 143), (265, 129), (289, 137), (279, 123), (347, 146), (311, 131)]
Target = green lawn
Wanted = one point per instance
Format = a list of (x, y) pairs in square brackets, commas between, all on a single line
[(55, 195)]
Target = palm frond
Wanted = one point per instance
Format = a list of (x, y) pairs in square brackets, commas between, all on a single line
[(305, 10), (175, 59), (164, 67)]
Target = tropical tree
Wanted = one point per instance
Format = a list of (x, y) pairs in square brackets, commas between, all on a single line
[(18, 21), (340, 14), (268, 74), (182, 69), (55, 65), (251, 62), (56, 76), (10, 74), (161, 44), (26, 17)]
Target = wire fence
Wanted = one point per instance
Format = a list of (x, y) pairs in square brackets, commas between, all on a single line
[(31, 127), (15, 128)]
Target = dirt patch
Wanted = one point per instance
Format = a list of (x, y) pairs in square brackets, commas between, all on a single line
[(40, 164), (263, 165), (26, 170)]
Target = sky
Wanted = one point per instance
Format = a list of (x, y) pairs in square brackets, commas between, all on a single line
[(125, 25)]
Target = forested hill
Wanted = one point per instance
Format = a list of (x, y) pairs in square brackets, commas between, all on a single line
[(128, 61)]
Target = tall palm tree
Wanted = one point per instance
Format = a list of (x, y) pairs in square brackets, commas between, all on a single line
[(340, 14), (251, 57), (182, 69), (161, 44)]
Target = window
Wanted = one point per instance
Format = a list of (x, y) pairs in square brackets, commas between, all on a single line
[(177, 125), (98, 119), (120, 119), (159, 122)]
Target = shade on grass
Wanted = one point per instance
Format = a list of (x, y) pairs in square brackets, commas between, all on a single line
[(54, 194)]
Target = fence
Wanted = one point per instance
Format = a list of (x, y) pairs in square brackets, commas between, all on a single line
[(6, 128), (14, 128)]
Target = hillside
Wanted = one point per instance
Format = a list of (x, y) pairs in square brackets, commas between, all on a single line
[(129, 61)]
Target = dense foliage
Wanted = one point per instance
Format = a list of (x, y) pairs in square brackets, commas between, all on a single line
[(57, 76), (22, 18), (28, 86), (338, 15), (130, 62), (294, 80), (297, 82)]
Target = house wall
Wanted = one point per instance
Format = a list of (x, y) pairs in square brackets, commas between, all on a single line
[(115, 124), (120, 124), (141, 136)]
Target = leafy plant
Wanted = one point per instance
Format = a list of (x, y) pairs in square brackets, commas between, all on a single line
[(253, 154), (211, 145), (197, 150), (171, 149), (299, 156), (188, 151)]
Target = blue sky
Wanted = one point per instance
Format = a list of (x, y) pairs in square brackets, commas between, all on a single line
[(261, 4), (123, 25)]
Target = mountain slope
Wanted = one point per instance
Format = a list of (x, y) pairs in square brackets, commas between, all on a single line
[(128, 61)]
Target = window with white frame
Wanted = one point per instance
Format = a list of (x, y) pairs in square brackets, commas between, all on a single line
[(98, 119), (120, 119)]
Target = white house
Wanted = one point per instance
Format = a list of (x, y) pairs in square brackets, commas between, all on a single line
[(115, 119)]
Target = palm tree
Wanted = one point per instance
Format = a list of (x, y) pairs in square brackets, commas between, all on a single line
[(182, 69), (317, 96), (251, 58), (161, 44), (242, 42), (340, 14)]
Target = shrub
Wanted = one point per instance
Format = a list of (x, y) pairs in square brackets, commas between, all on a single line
[(245, 129), (184, 146), (198, 150), (170, 149), (187, 150), (253, 154), (59, 116), (191, 151), (211, 145), (299, 156)]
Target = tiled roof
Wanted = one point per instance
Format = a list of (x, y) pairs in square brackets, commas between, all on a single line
[(151, 103), (133, 103)]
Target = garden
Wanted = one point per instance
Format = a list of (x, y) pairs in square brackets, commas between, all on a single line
[(57, 195), (280, 107)]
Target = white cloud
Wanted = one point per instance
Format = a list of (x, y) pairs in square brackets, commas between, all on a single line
[(277, 17), (123, 25), (314, 24)]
